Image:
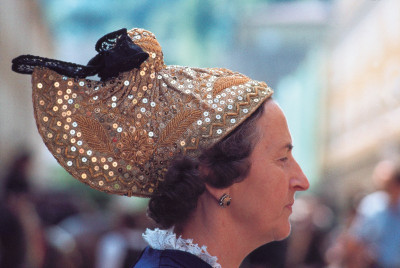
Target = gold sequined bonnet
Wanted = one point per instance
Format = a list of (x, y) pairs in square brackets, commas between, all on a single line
[(119, 135)]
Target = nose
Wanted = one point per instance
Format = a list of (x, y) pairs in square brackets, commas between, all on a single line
[(299, 181)]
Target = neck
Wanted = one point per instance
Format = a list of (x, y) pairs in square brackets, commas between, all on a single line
[(212, 226)]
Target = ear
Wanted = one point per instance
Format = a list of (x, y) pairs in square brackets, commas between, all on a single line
[(216, 193)]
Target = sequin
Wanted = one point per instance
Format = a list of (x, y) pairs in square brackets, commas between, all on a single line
[(69, 119), (81, 83), (94, 159), (102, 160), (72, 132), (73, 148), (142, 73), (199, 122), (113, 105), (55, 108), (233, 120), (49, 135), (143, 109), (69, 163), (207, 120), (56, 84), (45, 119), (59, 123), (128, 167), (70, 83), (65, 136), (126, 83), (68, 91), (206, 113), (119, 129), (76, 106), (70, 101), (115, 125), (74, 95), (39, 85), (101, 183), (114, 164), (144, 100), (64, 107), (183, 143), (79, 143), (73, 140), (134, 101), (218, 116), (84, 176), (78, 134), (245, 111), (151, 134), (219, 131)]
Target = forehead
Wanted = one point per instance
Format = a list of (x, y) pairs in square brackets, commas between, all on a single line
[(273, 126)]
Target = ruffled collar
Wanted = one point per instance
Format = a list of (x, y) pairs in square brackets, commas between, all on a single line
[(166, 239)]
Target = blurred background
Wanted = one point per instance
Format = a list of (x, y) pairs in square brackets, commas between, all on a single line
[(335, 68)]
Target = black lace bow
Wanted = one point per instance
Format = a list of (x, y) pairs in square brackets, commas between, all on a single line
[(117, 53)]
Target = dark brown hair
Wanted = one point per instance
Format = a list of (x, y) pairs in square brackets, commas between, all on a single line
[(225, 163)]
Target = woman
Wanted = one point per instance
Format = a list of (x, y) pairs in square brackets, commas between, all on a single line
[(208, 145)]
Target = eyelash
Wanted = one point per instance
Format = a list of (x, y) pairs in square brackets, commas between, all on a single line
[(284, 159)]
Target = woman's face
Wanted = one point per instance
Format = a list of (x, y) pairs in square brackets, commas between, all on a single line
[(263, 201)]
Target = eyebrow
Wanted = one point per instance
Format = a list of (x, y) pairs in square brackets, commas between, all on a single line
[(289, 147)]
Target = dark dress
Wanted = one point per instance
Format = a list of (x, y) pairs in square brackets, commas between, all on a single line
[(152, 258)]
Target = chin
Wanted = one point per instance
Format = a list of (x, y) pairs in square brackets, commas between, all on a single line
[(282, 232)]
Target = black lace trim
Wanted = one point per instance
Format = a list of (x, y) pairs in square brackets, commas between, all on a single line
[(116, 53)]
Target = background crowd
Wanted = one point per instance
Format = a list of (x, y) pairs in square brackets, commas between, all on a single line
[(334, 66)]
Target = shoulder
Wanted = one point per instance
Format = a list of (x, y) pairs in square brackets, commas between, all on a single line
[(152, 258)]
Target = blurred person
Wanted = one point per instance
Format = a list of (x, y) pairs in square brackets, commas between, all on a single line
[(374, 236), (122, 245), (312, 222), (19, 211), (16, 180), (209, 146)]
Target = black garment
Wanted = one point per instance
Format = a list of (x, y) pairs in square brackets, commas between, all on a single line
[(168, 258)]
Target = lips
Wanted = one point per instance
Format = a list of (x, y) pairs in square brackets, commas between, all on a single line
[(289, 206)]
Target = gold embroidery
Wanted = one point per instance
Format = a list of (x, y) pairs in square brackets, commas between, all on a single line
[(148, 43), (177, 126), (136, 147), (228, 81), (94, 134)]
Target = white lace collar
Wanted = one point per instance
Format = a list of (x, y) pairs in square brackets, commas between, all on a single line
[(166, 239)]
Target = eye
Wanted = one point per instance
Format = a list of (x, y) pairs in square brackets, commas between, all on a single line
[(283, 159)]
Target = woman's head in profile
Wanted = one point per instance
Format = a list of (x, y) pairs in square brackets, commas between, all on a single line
[(253, 165), (209, 146)]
